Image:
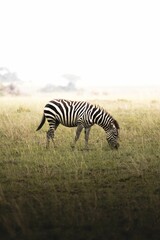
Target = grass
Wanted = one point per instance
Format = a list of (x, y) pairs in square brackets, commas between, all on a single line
[(64, 194)]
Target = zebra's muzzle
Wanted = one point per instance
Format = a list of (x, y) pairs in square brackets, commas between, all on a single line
[(114, 146)]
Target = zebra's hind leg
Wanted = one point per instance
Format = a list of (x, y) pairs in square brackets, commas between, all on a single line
[(50, 135), (87, 131)]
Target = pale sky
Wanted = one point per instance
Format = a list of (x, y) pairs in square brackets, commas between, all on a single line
[(104, 42)]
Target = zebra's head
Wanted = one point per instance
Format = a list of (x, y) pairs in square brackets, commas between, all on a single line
[(112, 134)]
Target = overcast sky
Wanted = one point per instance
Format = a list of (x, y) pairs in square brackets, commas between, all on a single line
[(103, 42)]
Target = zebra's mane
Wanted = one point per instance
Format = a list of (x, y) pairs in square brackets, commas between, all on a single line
[(104, 111), (100, 107)]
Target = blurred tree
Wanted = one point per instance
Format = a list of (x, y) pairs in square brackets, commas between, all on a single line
[(8, 77), (71, 78), (8, 82)]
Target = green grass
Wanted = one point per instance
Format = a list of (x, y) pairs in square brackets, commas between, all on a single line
[(62, 193)]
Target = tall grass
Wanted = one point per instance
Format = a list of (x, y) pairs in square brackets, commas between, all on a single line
[(64, 194)]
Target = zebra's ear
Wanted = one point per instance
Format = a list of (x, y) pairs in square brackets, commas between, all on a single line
[(116, 124)]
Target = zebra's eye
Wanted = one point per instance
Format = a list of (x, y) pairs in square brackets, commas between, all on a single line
[(113, 126)]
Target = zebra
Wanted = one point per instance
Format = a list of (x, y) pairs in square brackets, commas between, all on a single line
[(82, 115)]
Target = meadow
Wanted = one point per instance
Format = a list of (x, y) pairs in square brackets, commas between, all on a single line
[(60, 193)]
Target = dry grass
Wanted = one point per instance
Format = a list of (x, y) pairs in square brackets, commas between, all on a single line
[(64, 194)]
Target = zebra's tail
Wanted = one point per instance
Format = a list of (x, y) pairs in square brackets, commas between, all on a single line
[(42, 122)]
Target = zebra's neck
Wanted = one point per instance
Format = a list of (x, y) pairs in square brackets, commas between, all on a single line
[(102, 118)]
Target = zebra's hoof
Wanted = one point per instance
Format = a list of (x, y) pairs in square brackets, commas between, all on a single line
[(72, 146), (86, 148)]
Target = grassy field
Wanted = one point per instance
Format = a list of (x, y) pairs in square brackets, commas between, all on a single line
[(62, 193)]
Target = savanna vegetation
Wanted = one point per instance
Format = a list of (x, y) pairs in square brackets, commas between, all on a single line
[(60, 193)]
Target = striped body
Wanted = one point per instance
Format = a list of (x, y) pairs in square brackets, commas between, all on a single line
[(81, 115)]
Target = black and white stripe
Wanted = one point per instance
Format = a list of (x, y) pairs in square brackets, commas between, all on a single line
[(81, 115)]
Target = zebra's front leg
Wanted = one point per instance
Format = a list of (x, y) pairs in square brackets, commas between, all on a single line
[(78, 132), (87, 131), (50, 135)]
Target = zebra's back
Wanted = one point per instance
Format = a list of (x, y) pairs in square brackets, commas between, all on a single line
[(65, 112)]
